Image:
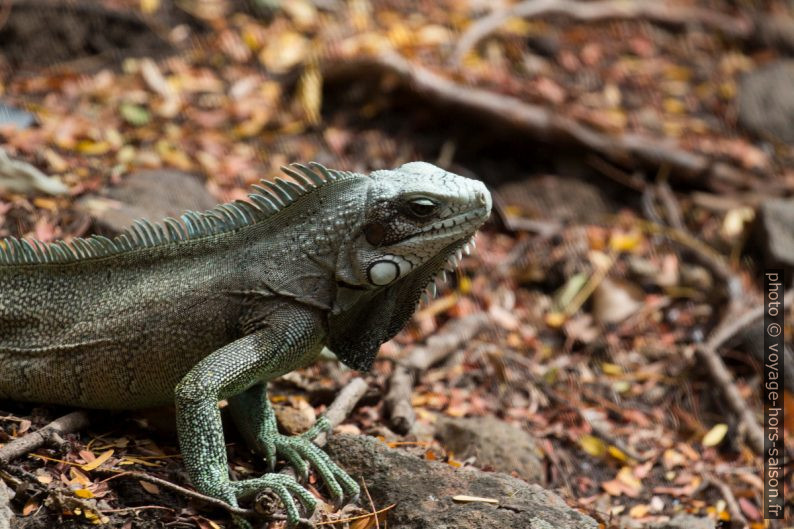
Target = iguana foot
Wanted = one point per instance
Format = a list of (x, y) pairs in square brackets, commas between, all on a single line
[(300, 451), (283, 486)]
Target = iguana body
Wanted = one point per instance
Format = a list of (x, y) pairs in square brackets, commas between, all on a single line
[(213, 306)]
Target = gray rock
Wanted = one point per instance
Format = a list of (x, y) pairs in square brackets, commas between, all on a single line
[(151, 195), (5, 511), (22, 177), (775, 230), (423, 490), (493, 443), (766, 101), (13, 116)]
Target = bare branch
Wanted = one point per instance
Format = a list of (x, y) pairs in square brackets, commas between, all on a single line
[(652, 10), (438, 347), (545, 124), (69, 423), (344, 403)]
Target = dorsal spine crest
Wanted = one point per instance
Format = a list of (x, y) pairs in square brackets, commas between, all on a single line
[(268, 199)]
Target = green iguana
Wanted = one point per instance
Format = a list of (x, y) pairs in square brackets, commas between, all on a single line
[(214, 305)]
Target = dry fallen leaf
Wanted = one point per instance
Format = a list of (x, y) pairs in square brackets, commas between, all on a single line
[(715, 436), (99, 461), (474, 499), (30, 506), (151, 488), (83, 493)]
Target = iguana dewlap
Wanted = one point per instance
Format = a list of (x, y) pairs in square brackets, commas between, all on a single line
[(215, 304)]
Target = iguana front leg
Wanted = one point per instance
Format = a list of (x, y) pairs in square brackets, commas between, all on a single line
[(290, 338), (256, 420)]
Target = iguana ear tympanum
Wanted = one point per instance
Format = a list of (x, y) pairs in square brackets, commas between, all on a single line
[(215, 304)]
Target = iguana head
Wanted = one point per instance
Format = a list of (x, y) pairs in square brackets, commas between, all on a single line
[(414, 221)]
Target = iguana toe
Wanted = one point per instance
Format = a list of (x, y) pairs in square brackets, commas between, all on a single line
[(285, 488)]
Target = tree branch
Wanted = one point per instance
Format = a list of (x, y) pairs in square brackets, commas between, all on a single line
[(69, 423), (547, 125), (652, 10)]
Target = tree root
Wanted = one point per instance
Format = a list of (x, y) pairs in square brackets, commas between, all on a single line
[(342, 405), (772, 31), (438, 347), (547, 125)]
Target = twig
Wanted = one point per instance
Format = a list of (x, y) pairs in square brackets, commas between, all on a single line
[(341, 407), (69, 423), (547, 124), (438, 347), (671, 208), (730, 500), (208, 500), (734, 319), (398, 399), (652, 10), (704, 254), (729, 327), (371, 503), (707, 352)]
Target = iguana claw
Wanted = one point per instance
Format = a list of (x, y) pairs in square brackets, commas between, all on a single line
[(284, 487), (300, 451)]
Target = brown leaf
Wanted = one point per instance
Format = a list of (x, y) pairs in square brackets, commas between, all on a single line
[(151, 488), (99, 461)]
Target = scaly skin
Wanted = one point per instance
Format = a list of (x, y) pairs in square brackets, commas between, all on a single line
[(218, 305)]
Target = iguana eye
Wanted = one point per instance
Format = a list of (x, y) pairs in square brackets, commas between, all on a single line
[(422, 207)]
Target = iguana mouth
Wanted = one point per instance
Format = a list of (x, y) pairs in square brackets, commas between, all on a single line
[(450, 265), (443, 227)]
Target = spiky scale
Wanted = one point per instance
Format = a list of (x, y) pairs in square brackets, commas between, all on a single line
[(250, 213), (174, 229), (264, 203), (273, 191), (285, 192), (298, 177), (329, 175), (191, 222), (140, 234), (16, 247), (123, 241), (107, 245), (40, 250), (68, 250), (27, 250), (312, 175), (192, 225), (271, 196), (295, 188), (79, 249)]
